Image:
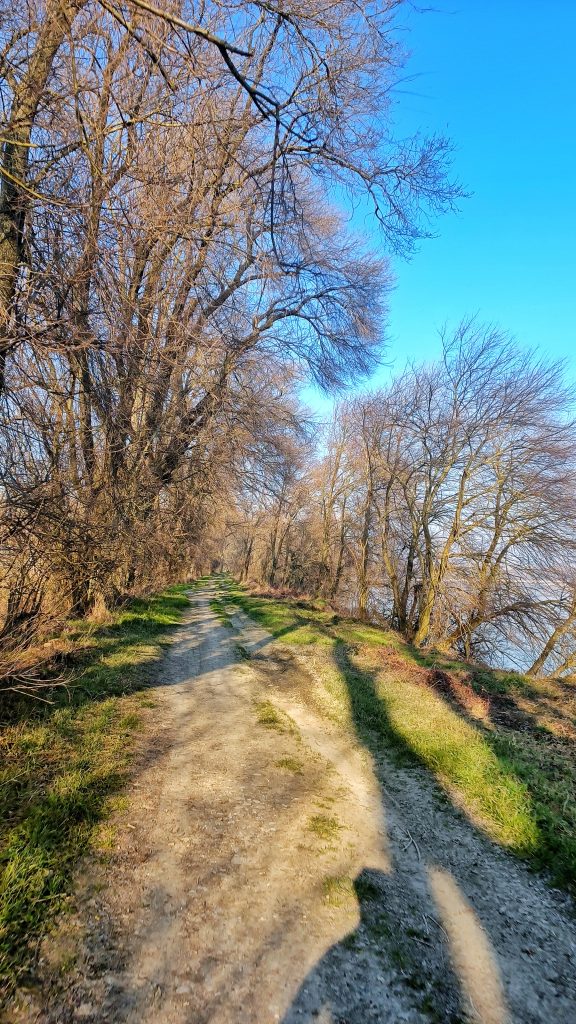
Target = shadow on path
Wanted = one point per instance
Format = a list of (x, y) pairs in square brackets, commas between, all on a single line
[(457, 930)]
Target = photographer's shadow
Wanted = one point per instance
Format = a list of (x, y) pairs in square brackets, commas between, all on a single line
[(375, 973)]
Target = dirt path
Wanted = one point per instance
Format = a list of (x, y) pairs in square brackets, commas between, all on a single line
[(267, 870)]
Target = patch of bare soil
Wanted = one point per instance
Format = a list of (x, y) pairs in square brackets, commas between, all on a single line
[(267, 870)]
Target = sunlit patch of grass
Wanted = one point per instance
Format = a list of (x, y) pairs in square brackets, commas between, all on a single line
[(360, 633), (268, 716), (460, 756), (384, 710), (218, 607), (286, 620), (324, 827), (271, 717), (290, 764), (62, 762), (338, 890)]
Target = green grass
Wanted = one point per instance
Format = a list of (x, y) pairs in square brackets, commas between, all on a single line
[(513, 774), (290, 764), (415, 719), (271, 717), (218, 607), (338, 890), (286, 620), (324, 827), (268, 716), (62, 764)]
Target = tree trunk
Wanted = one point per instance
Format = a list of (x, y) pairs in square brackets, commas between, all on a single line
[(247, 559), (424, 617), (14, 194), (363, 589), (559, 632), (335, 583)]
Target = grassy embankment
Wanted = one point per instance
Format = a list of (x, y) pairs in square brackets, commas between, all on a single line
[(500, 744), (63, 766)]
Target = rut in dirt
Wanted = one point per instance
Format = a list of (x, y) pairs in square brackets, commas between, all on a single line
[(269, 870)]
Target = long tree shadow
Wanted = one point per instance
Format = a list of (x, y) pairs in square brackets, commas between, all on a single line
[(456, 930), (528, 749), (502, 690), (530, 727)]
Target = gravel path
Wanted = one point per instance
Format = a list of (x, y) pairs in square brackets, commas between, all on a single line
[(267, 870)]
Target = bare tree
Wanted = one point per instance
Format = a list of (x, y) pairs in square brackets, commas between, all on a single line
[(172, 266), (292, 79), (462, 528)]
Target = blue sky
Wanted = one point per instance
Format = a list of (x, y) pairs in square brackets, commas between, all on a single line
[(499, 79)]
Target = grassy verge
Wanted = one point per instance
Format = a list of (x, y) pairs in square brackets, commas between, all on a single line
[(218, 606), (501, 745), (63, 762)]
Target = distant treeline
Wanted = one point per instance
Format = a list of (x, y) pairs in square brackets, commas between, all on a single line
[(443, 503)]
